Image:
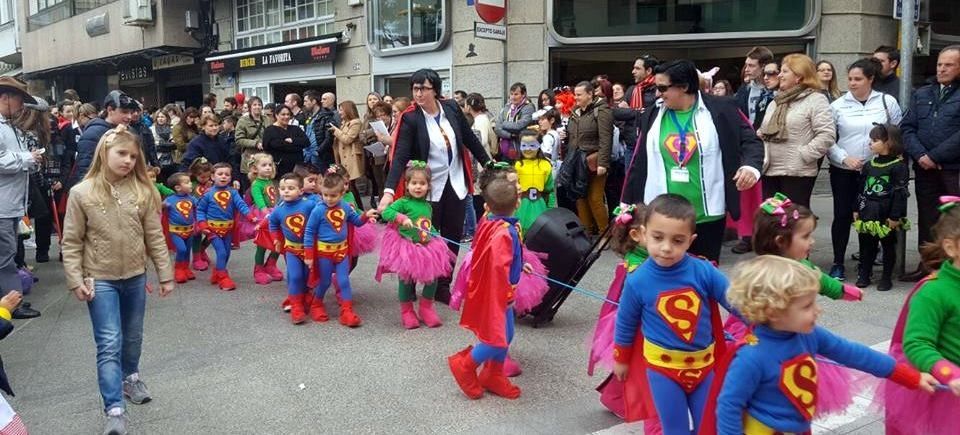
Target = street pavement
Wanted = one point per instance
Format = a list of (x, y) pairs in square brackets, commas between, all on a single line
[(231, 362)]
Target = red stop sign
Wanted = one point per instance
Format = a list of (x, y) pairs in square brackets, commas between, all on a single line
[(491, 11)]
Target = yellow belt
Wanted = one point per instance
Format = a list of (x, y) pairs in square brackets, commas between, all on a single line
[(220, 225), (180, 229), (752, 426), (292, 245), (331, 248), (677, 359)]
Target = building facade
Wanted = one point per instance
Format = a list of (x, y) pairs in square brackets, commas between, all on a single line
[(270, 48)]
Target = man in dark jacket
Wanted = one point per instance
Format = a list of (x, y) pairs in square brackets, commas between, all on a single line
[(750, 93), (317, 126), (887, 81), (148, 146), (119, 109), (931, 136), (209, 144), (641, 95)]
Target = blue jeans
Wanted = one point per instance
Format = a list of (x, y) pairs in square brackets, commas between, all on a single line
[(470, 224), (116, 312)]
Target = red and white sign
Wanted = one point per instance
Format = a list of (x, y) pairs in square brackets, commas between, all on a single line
[(491, 11)]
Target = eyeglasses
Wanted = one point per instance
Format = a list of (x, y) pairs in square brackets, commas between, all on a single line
[(770, 73), (418, 88), (663, 88)]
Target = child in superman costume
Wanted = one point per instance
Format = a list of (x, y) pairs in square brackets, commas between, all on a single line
[(488, 306), (626, 240), (215, 218), (326, 248), (768, 384), (201, 173), (671, 300), (179, 217), (288, 221), (927, 336)]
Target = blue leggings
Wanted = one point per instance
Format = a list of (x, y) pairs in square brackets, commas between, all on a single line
[(296, 273), (482, 352), (183, 247), (222, 246), (673, 402), (327, 269)]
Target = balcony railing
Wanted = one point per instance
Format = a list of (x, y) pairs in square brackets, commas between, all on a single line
[(61, 11)]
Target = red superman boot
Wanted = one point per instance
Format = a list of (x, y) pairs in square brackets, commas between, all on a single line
[(204, 256), (178, 275), (511, 368), (428, 315), (260, 276), (215, 276), (199, 263), (407, 317), (286, 305), (493, 380), (298, 312), (464, 371), (271, 269), (187, 272), (347, 316), (226, 283), (317, 311)]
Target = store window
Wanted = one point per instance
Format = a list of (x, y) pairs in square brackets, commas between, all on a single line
[(665, 19), (945, 18), (398, 85), (404, 26), (262, 91), (262, 22)]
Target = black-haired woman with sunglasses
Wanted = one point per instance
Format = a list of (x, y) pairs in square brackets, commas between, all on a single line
[(698, 146)]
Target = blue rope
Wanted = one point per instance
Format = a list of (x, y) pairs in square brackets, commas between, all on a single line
[(560, 283)]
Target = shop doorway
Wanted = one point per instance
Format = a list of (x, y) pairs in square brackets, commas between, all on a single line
[(570, 65), (279, 91), (190, 96)]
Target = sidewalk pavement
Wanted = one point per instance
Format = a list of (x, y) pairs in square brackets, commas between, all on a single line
[(231, 362)]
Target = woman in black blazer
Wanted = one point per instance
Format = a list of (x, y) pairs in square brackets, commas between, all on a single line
[(285, 142), (435, 131)]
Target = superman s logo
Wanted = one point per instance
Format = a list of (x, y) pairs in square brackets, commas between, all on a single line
[(798, 381), (222, 198), (336, 217), (681, 310), (295, 223), (184, 207)]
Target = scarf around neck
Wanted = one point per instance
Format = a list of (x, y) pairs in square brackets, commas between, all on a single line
[(776, 129)]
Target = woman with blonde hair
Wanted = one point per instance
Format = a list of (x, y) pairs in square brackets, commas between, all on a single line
[(797, 131), (112, 226)]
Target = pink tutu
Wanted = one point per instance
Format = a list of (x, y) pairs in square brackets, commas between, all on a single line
[(530, 289), (835, 383), (913, 411), (248, 229), (601, 345), (414, 262), (363, 239)]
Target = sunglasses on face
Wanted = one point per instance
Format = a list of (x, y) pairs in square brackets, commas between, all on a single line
[(663, 88), (770, 73)]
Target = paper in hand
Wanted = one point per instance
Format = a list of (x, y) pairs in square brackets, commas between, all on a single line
[(379, 127)]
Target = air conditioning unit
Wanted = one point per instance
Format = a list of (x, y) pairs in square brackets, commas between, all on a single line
[(138, 13)]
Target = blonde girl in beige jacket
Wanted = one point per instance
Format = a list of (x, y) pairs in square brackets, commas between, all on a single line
[(111, 226)]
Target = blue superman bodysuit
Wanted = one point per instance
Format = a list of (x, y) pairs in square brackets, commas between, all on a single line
[(325, 240), (674, 308), (180, 211), (215, 211), (288, 222)]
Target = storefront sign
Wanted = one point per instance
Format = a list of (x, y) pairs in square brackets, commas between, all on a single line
[(489, 31), (280, 57), (171, 61), (134, 73)]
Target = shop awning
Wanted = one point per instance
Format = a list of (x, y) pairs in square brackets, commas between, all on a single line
[(319, 49), (15, 72)]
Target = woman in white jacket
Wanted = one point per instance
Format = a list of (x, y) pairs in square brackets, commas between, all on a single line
[(854, 113)]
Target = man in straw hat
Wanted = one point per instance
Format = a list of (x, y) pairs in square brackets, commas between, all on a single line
[(15, 162)]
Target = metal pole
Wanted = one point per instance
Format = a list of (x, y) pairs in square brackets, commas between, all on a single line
[(505, 92), (908, 46)]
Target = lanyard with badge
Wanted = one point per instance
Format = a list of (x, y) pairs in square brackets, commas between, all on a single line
[(679, 173), (446, 139)]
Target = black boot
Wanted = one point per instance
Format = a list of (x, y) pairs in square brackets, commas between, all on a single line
[(863, 276)]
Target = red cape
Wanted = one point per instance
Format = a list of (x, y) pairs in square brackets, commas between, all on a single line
[(488, 288)]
